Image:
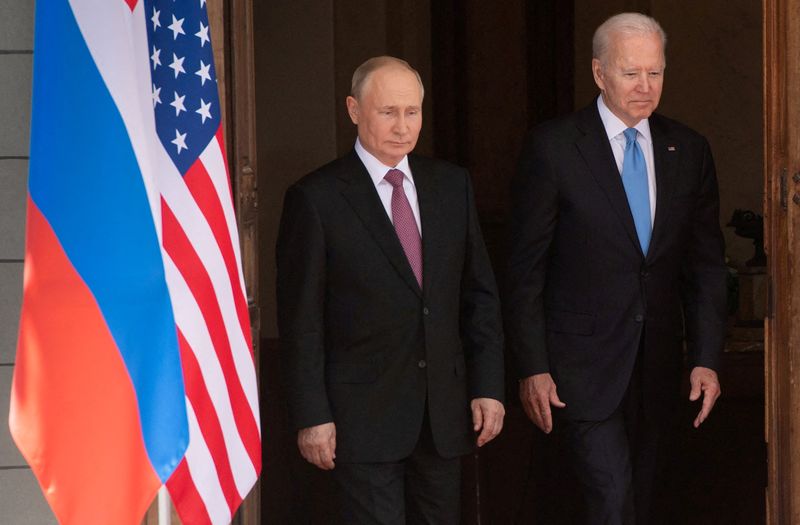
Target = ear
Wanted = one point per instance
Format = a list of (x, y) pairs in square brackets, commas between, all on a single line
[(352, 109), (597, 73)]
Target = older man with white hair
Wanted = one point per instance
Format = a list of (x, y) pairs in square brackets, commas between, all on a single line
[(617, 259)]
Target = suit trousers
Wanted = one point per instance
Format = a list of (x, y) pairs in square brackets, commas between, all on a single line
[(616, 460), (422, 489)]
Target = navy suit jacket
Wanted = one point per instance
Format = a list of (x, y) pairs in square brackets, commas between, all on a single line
[(582, 295)]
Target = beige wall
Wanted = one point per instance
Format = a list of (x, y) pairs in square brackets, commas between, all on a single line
[(21, 500), (712, 83)]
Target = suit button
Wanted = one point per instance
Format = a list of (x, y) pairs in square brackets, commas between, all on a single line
[(422, 363), (639, 318), (426, 311), (644, 274)]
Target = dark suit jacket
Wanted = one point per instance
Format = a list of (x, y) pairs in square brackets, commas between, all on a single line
[(581, 293), (362, 345)]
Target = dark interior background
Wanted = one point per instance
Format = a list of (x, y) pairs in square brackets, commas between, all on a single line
[(492, 70)]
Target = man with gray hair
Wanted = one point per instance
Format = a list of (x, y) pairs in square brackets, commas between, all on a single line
[(388, 314), (617, 258)]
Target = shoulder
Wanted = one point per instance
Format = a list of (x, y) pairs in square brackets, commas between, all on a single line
[(659, 124), (436, 169), (566, 129), (323, 179), (326, 173), (432, 165), (556, 128), (563, 125), (549, 142)]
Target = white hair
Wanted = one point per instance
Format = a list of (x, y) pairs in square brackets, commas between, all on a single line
[(624, 24)]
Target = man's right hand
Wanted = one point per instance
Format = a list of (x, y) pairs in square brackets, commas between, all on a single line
[(537, 393), (317, 445)]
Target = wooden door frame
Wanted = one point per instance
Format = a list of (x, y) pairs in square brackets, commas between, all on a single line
[(782, 239), (231, 24), (242, 162), (243, 165)]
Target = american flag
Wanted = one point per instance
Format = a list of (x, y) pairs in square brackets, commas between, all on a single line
[(203, 263)]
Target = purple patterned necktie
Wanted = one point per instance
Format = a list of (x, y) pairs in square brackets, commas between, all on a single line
[(404, 223)]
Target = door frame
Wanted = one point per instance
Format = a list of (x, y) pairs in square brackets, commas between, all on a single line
[(232, 34), (782, 240)]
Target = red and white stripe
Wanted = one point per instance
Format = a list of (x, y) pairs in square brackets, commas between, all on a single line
[(206, 286)]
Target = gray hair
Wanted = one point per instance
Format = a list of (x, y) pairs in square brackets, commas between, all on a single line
[(624, 24), (362, 73)]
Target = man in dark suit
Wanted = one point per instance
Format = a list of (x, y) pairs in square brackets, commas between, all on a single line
[(616, 254), (388, 313)]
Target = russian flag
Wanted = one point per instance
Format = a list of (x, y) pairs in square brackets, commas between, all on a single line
[(134, 359)]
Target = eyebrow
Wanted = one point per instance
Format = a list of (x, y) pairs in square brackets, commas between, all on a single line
[(636, 69), (383, 108)]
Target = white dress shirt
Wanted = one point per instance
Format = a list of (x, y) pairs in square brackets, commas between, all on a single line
[(377, 171), (615, 129)]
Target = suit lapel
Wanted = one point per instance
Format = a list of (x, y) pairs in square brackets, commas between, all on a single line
[(665, 154), (596, 152), (359, 191), (432, 231)]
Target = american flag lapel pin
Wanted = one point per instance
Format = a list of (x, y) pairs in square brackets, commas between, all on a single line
[(672, 148)]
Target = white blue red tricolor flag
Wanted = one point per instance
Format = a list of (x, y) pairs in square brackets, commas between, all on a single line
[(134, 363)]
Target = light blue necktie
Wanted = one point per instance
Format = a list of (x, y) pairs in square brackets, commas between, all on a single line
[(634, 179)]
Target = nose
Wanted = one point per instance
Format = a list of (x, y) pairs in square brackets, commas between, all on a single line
[(401, 125), (644, 83)]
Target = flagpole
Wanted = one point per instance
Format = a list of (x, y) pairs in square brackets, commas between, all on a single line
[(164, 511)]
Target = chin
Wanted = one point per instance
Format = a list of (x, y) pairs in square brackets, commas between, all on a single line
[(642, 112)]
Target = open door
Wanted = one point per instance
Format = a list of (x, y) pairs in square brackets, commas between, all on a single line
[(782, 239)]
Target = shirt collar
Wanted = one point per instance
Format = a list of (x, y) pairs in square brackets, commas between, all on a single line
[(377, 169), (615, 127)]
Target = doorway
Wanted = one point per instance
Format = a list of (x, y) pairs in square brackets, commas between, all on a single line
[(297, 101)]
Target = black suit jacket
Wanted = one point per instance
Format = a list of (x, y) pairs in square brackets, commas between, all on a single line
[(362, 345), (582, 294)]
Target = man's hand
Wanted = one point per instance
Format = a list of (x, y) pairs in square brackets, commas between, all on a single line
[(487, 417), (537, 393), (317, 445), (704, 380)]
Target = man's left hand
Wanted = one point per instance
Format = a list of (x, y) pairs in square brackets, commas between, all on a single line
[(487, 417), (704, 380)]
